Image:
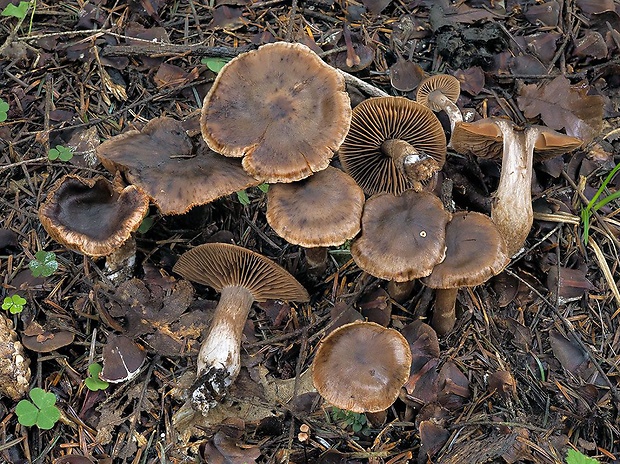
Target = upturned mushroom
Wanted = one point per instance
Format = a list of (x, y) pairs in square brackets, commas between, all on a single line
[(475, 252), (96, 218), (281, 108), (361, 367), (393, 144), (298, 211), (242, 277), (440, 93)]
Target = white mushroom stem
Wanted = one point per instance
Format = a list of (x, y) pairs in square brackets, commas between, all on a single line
[(511, 208), (448, 107), (219, 359)]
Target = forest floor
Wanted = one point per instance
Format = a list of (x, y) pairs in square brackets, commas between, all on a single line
[(530, 371)]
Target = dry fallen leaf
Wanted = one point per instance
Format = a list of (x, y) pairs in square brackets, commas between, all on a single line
[(562, 105)]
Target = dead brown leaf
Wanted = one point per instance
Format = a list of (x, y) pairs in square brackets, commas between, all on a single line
[(564, 106)]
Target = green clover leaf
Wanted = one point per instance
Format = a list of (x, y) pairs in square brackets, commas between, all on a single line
[(93, 382), (44, 264), (14, 304), (575, 457), (16, 11), (4, 109), (41, 411), (215, 64), (60, 152)]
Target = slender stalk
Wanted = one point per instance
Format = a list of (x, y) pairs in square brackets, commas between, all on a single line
[(448, 107), (444, 315), (316, 259), (219, 359)]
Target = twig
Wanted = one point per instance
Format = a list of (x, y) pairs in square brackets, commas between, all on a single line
[(12, 34), (365, 87), (602, 262), (19, 163)]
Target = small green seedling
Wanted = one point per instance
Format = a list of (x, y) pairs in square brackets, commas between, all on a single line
[(242, 195), (40, 411), (355, 421), (44, 264), (61, 153), (14, 304), (146, 225), (16, 11), (595, 204), (93, 382), (214, 63), (264, 187), (575, 457), (4, 110)]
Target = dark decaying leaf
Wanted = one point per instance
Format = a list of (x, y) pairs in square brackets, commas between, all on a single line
[(432, 439), (226, 447), (47, 341), (572, 357), (122, 359), (591, 45), (8, 238), (471, 79), (376, 6), (482, 449), (502, 383), (405, 75), (376, 306), (581, 115), (546, 13), (571, 283)]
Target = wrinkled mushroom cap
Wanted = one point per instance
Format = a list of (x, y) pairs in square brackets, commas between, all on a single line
[(403, 237), (279, 107), (92, 216), (160, 160), (361, 367), (443, 83), (220, 265), (481, 138), (298, 211), (475, 252), (376, 120)]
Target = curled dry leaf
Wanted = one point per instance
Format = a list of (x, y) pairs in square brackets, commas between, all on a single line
[(581, 115)]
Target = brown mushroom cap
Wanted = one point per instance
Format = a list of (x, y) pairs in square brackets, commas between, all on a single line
[(377, 120), (443, 83), (160, 160), (403, 238), (481, 138), (361, 367), (220, 265), (91, 215), (298, 211), (47, 341), (279, 107), (550, 144), (475, 252)]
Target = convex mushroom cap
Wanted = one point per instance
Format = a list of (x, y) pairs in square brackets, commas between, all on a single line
[(242, 276), (92, 216), (403, 237), (281, 108), (393, 144), (323, 210), (440, 93), (361, 367), (161, 160)]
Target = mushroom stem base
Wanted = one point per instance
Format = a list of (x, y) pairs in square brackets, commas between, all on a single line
[(210, 388)]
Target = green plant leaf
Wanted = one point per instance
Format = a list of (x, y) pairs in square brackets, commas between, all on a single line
[(4, 109), (575, 457), (93, 382), (14, 304), (264, 187), (41, 398), (145, 226), (16, 11), (215, 64), (60, 152), (242, 195), (48, 417), (27, 413), (44, 264)]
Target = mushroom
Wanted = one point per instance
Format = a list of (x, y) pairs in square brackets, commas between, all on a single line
[(475, 252), (95, 218), (361, 367), (161, 160), (393, 144), (440, 93), (317, 212), (281, 108), (403, 237), (242, 277)]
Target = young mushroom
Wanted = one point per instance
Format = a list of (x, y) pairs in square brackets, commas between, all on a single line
[(440, 93), (298, 211), (475, 252), (281, 108), (96, 218), (361, 367), (393, 144), (242, 277)]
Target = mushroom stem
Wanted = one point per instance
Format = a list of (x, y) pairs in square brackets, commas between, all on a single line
[(219, 359), (400, 291), (448, 107), (316, 259), (444, 314), (415, 165), (119, 265), (511, 209)]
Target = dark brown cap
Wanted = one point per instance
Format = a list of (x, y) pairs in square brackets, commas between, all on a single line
[(403, 237), (382, 119), (361, 367), (322, 210), (161, 160), (281, 108), (92, 216), (220, 265), (481, 138)]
